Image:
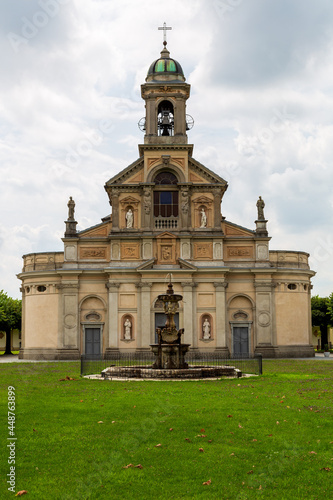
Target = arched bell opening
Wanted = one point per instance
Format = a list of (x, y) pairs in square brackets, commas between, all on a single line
[(165, 119)]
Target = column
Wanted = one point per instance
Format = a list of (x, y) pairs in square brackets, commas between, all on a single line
[(188, 288), (220, 304), (113, 342)]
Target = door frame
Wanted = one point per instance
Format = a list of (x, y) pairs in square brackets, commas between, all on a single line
[(99, 326), (245, 324)]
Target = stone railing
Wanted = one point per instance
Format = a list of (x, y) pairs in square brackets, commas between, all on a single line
[(166, 222), (289, 259), (42, 261)]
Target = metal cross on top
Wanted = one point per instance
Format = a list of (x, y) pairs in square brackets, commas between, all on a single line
[(165, 28)]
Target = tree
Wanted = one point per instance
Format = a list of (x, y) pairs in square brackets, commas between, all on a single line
[(10, 317), (321, 316)]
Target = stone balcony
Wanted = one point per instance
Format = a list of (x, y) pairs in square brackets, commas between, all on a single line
[(289, 259), (42, 261)]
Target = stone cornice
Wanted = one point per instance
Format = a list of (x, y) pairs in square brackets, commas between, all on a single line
[(161, 147)]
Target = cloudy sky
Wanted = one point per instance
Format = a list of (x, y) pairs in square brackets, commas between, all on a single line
[(261, 73)]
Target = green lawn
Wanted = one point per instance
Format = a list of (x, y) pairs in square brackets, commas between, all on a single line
[(268, 437)]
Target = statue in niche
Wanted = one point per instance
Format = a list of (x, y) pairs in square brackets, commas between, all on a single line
[(260, 207), (147, 201), (203, 218), (127, 329), (206, 329), (71, 208), (129, 218)]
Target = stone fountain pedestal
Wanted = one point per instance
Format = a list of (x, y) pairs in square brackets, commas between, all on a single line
[(169, 356)]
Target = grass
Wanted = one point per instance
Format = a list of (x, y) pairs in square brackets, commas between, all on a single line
[(269, 437)]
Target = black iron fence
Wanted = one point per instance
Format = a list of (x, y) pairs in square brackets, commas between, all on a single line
[(95, 364)]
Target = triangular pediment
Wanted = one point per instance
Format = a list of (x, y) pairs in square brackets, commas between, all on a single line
[(231, 229), (129, 200), (131, 172), (166, 235), (95, 232), (186, 265), (203, 175), (202, 199), (146, 265)]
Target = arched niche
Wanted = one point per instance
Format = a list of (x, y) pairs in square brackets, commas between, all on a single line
[(92, 309), (206, 327), (127, 328)]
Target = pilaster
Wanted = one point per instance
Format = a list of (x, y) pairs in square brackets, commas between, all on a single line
[(264, 328), (113, 337), (221, 336), (188, 290), (69, 324), (145, 317)]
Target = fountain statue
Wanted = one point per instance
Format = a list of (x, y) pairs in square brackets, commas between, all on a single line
[(170, 352)]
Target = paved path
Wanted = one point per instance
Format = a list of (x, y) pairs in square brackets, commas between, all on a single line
[(15, 359)]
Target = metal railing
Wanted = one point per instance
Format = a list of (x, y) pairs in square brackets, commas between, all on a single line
[(95, 364)]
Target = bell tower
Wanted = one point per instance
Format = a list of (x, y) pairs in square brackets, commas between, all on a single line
[(165, 93)]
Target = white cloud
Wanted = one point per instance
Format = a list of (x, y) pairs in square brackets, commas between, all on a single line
[(248, 67)]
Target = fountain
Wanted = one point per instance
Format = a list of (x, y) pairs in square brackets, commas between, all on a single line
[(170, 352)]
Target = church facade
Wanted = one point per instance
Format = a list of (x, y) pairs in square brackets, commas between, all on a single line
[(100, 294)]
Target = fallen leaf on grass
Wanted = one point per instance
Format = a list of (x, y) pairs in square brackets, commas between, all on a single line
[(158, 445), (312, 453), (232, 454), (240, 426), (128, 466), (171, 429), (250, 472), (139, 466), (113, 422), (260, 487), (326, 468), (254, 439), (229, 416), (210, 440), (20, 493), (100, 422), (207, 483), (270, 435), (202, 430), (188, 440), (34, 430), (201, 449), (67, 378), (277, 422), (81, 400)]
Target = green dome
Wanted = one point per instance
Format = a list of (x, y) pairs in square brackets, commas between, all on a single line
[(165, 66)]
